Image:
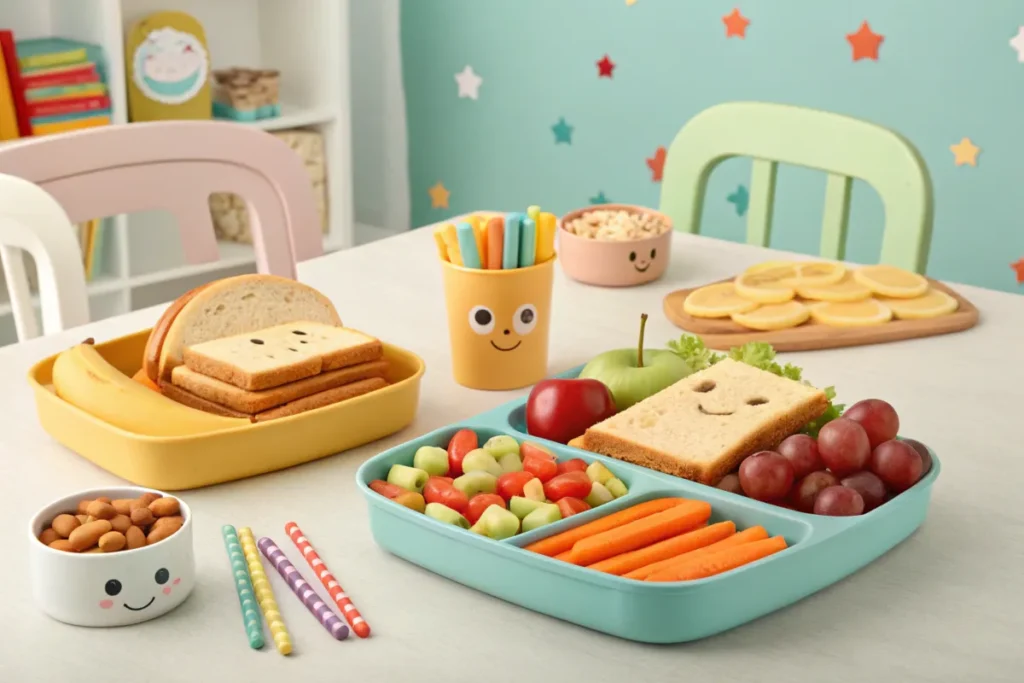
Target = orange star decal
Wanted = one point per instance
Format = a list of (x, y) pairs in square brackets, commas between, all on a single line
[(865, 43), (735, 24), (439, 196), (1018, 267), (657, 164)]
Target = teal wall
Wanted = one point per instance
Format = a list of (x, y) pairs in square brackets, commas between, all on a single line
[(945, 71)]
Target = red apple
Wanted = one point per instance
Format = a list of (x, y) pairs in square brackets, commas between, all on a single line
[(562, 409)]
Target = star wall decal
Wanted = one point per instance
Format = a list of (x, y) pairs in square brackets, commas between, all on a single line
[(469, 83), (735, 24), (865, 43), (439, 196), (657, 164), (605, 66), (740, 198), (965, 152), (562, 131)]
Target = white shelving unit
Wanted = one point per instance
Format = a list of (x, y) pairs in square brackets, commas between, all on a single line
[(307, 40)]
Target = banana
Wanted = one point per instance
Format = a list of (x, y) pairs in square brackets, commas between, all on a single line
[(84, 378)]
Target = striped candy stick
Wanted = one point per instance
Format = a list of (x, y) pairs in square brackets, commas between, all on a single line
[(264, 593), (303, 591), (335, 590), (243, 586)]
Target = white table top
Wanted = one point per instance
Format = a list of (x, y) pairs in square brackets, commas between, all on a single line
[(946, 605)]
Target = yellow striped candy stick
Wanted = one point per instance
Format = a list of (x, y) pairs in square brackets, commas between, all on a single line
[(451, 240), (264, 593), (478, 222), (546, 223)]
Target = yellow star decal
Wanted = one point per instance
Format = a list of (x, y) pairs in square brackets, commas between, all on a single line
[(965, 152), (439, 196)]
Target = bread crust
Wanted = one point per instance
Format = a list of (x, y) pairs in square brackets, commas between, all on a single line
[(614, 446), (151, 356)]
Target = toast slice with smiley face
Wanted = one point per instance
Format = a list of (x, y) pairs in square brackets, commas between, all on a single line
[(701, 427)]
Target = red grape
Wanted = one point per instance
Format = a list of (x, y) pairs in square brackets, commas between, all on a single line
[(802, 453), (766, 476), (869, 486), (731, 483), (922, 450), (808, 488), (839, 501), (897, 464), (878, 418), (844, 446)]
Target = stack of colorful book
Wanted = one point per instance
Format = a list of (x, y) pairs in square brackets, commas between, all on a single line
[(53, 85)]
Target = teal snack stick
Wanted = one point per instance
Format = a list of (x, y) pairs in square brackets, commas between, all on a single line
[(510, 257), (527, 243), (467, 246), (243, 586)]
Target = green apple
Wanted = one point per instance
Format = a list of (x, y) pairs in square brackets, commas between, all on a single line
[(432, 460), (599, 495), (498, 446), (634, 374), (496, 522), (409, 478), (542, 516), (616, 487), (510, 462), (534, 490), (521, 507), (480, 460), (599, 473), (472, 483), (443, 513)]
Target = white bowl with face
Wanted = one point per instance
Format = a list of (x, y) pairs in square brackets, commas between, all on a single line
[(110, 589)]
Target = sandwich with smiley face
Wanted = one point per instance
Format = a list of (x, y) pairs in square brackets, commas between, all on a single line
[(701, 427)]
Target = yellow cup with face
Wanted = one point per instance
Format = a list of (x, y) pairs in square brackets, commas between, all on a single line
[(498, 324)]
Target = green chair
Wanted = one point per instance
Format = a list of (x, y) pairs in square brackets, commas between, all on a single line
[(845, 148)]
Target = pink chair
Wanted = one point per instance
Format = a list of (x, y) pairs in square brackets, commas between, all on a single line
[(176, 166)]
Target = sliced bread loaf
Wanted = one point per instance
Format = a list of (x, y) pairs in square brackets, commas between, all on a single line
[(239, 305), (702, 427), (275, 356), (252, 402)]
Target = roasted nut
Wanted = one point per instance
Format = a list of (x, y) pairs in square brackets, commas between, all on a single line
[(100, 510), (135, 537), (65, 524), (175, 520), (122, 505), (63, 544), (82, 505), (165, 507), (121, 523), (104, 499), (112, 541), (147, 498), (82, 519), (48, 536), (142, 516), (161, 531), (86, 536)]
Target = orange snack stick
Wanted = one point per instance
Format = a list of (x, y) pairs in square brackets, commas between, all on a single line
[(641, 533), (559, 543), (670, 547), (721, 561), (495, 241), (754, 533)]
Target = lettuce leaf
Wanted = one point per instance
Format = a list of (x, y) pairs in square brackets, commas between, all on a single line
[(759, 355)]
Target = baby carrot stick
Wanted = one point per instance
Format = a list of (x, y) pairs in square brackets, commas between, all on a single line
[(559, 543), (722, 561), (754, 533), (670, 547), (641, 533), (564, 557)]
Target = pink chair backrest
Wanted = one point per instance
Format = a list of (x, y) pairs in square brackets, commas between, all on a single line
[(176, 166)]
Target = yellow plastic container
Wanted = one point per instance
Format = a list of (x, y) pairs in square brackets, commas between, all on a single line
[(179, 463), (498, 324)]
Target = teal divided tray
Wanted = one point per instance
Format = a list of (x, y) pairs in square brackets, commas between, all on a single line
[(822, 550)]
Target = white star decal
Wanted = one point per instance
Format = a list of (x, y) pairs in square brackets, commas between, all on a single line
[(469, 83), (1017, 43)]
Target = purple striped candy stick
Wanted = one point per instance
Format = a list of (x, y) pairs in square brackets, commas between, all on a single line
[(303, 591)]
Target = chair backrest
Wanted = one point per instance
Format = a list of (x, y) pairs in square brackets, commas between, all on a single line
[(175, 166), (843, 147), (33, 221)]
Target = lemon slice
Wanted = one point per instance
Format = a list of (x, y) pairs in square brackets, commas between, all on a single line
[(769, 265), (891, 281), (816, 273), (766, 286), (843, 291), (774, 316), (716, 301), (931, 305), (851, 314)]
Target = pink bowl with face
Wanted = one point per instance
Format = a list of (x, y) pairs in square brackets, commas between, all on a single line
[(613, 263)]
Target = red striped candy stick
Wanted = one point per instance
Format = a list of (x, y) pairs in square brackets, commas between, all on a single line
[(334, 589)]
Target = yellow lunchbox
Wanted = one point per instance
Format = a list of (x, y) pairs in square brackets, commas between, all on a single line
[(188, 462)]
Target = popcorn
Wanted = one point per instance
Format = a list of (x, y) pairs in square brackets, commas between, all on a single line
[(617, 226)]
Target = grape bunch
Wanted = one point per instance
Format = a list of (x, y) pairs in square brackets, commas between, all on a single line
[(855, 465)]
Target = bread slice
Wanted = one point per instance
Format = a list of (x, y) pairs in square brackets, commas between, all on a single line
[(151, 355), (252, 402), (317, 400), (279, 355), (239, 305), (702, 426)]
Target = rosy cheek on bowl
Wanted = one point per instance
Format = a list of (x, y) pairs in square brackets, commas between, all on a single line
[(167, 590), (176, 582), (106, 604)]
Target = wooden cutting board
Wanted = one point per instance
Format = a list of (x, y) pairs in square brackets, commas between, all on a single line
[(723, 334)]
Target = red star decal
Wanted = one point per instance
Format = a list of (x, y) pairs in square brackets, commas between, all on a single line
[(604, 67), (657, 164), (735, 24), (865, 43), (1019, 268)]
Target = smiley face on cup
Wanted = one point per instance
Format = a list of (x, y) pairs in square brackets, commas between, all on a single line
[(504, 333)]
